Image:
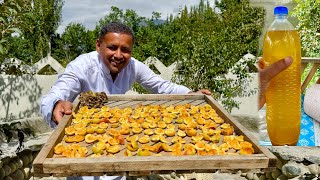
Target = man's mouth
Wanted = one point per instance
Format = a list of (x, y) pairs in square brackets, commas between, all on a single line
[(117, 62)]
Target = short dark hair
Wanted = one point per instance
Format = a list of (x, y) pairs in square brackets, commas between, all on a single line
[(116, 27)]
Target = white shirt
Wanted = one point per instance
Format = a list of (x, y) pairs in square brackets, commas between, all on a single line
[(88, 73)]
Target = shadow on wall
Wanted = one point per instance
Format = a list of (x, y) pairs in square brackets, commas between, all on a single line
[(21, 94), (19, 97)]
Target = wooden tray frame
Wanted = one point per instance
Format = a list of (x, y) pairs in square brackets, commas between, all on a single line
[(45, 165)]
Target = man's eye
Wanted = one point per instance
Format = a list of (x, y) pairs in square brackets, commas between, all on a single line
[(126, 50), (113, 48)]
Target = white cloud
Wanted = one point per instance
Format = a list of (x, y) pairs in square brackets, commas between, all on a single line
[(89, 12)]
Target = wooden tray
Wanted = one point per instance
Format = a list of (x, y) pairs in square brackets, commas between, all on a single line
[(46, 165)]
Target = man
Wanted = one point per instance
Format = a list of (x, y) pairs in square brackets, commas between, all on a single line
[(109, 69)]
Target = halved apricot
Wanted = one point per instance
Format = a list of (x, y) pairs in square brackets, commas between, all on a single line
[(103, 125), (113, 149), (148, 132), (163, 139), (81, 132), (245, 144), (59, 148), (103, 137), (167, 120), (200, 145), (246, 150), (136, 130), (144, 139), (113, 132), (96, 149), (124, 131), (69, 139), (145, 125), (78, 138), (143, 152), (191, 132), (162, 124), (80, 126), (170, 132), (89, 138), (227, 131), (159, 131), (182, 126), (69, 130), (100, 130)]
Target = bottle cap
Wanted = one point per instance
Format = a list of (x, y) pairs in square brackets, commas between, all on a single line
[(280, 10)]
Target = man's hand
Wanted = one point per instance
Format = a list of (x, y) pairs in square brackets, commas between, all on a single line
[(60, 109), (202, 91), (267, 73)]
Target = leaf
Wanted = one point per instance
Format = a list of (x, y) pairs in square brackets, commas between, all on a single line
[(2, 50), (3, 40), (3, 20), (13, 7), (17, 30)]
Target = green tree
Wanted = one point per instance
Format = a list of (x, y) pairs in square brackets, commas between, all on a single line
[(129, 17), (74, 41), (308, 14), (37, 25), (207, 45), (11, 13)]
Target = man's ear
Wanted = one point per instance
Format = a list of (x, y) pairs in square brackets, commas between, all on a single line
[(98, 45)]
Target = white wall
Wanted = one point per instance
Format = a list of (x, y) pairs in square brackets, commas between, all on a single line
[(20, 95)]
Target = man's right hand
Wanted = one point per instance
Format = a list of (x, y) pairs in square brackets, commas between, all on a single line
[(267, 73), (60, 109)]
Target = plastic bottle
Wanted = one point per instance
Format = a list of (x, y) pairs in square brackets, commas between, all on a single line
[(283, 95)]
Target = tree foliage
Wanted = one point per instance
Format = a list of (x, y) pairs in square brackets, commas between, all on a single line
[(37, 22), (308, 13), (74, 41), (207, 44), (11, 13)]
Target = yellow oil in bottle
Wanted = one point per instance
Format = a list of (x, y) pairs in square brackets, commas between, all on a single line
[(283, 94)]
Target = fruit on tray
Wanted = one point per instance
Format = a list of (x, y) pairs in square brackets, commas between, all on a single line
[(151, 130)]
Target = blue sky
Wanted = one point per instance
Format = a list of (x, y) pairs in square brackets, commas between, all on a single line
[(89, 12)]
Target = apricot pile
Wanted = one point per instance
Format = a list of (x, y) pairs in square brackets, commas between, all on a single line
[(152, 130)]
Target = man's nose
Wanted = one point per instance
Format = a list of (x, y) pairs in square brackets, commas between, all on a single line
[(118, 54)]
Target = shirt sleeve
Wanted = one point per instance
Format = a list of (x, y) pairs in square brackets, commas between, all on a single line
[(155, 84), (67, 87)]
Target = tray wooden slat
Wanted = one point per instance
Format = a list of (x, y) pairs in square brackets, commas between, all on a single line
[(45, 164), (122, 164)]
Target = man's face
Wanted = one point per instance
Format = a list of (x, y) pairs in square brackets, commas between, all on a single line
[(115, 50)]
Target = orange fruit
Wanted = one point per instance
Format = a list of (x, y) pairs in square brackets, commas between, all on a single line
[(103, 125), (89, 138), (144, 139), (100, 130), (59, 148), (113, 149), (69, 130), (78, 138), (69, 139), (81, 132), (246, 150), (90, 130)]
